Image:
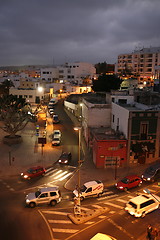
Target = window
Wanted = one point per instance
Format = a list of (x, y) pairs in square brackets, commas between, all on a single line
[(145, 204), (113, 118), (43, 195), (144, 130), (53, 194), (30, 96), (89, 190)]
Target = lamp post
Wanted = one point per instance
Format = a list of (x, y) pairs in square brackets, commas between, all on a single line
[(79, 163)]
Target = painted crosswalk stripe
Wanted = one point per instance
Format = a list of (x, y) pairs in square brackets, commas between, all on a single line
[(65, 230), (107, 197), (59, 221), (88, 223), (113, 205), (60, 175), (67, 175), (54, 212), (121, 200), (101, 216), (109, 192)]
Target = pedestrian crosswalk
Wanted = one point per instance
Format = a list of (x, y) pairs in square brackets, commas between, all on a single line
[(62, 227)]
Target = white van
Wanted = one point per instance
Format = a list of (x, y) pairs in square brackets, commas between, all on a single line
[(141, 205), (90, 189)]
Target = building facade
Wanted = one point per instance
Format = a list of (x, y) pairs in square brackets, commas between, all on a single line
[(141, 63)]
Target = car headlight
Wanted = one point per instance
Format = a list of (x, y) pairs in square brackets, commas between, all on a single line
[(21, 174), (27, 200), (142, 176), (121, 187), (148, 179), (65, 161), (60, 160), (25, 176)]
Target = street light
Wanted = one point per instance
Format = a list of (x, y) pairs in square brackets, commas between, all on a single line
[(79, 164)]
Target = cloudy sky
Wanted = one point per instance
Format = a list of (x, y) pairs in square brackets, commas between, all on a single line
[(59, 31)]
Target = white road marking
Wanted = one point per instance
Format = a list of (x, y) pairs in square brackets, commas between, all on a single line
[(60, 221), (113, 205), (121, 200), (112, 212), (85, 209), (88, 223), (64, 230), (109, 192), (110, 196), (101, 216), (61, 174), (54, 212), (67, 175)]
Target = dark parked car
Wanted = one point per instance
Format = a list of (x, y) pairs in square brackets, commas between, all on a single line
[(129, 182), (33, 172), (152, 173), (65, 158)]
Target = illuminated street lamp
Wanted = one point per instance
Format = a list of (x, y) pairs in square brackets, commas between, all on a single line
[(79, 163)]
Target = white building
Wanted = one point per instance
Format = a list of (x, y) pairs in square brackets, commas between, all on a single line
[(76, 72)]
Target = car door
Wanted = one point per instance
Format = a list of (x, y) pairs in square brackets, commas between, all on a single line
[(43, 198), (131, 183), (88, 192)]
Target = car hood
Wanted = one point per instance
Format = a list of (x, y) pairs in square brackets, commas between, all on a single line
[(31, 196), (147, 175), (121, 184)]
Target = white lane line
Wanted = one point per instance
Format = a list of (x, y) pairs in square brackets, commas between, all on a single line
[(113, 205), (156, 186), (121, 200), (96, 206), (59, 221), (130, 196), (152, 190), (54, 212), (64, 230)]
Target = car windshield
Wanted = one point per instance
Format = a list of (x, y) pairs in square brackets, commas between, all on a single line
[(125, 180), (132, 204), (64, 155), (83, 188), (55, 139), (37, 193), (30, 170)]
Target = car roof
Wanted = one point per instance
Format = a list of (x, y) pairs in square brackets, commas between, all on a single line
[(49, 189), (91, 183), (33, 168), (130, 177), (141, 199)]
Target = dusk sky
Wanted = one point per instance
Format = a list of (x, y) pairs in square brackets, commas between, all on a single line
[(59, 31)]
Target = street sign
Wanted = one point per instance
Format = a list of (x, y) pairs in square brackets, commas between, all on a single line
[(42, 140)]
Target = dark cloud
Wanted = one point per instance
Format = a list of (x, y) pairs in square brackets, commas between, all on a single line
[(38, 31)]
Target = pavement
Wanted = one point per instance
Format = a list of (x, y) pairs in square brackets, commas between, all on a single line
[(16, 158)]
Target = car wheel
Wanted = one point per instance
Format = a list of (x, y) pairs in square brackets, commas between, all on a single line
[(100, 195), (125, 189), (81, 198), (53, 203), (143, 215), (32, 204)]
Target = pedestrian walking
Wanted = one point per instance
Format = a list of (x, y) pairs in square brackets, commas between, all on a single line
[(155, 234), (149, 232)]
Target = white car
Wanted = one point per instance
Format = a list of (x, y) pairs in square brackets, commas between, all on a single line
[(56, 140), (57, 133), (47, 195), (101, 236), (141, 205)]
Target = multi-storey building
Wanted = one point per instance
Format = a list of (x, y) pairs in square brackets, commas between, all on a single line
[(141, 63)]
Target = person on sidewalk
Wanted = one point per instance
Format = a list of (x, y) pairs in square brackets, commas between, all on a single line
[(149, 232)]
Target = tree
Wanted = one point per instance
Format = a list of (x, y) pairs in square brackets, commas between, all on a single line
[(106, 83), (5, 86), (14, 114)]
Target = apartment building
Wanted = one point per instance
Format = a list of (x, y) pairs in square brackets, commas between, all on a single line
[(76, 72), (141, 63)]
